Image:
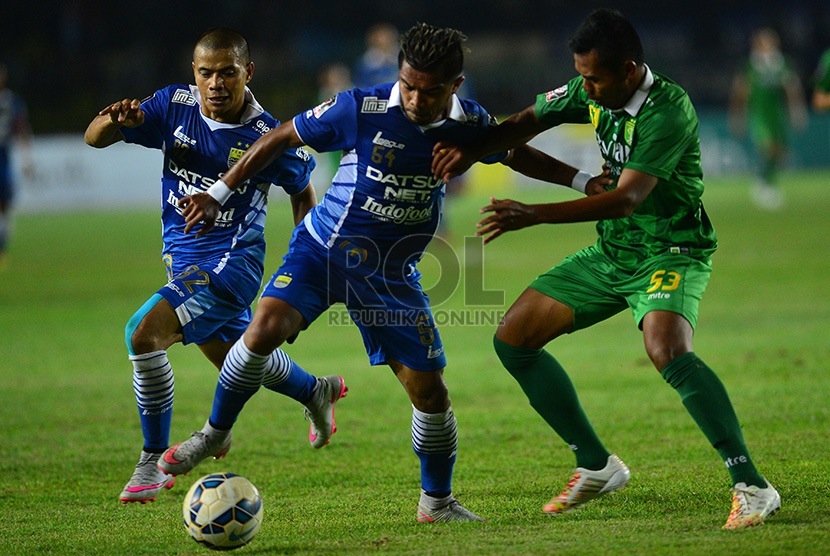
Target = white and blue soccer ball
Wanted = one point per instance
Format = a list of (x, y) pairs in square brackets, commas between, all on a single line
[(222, 511)]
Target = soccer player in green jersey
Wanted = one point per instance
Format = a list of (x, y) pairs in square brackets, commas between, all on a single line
[(767, 98), (652, 257), (821, 91)]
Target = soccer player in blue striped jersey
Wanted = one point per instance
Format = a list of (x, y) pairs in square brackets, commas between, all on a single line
[(360, 247), (203, 130)]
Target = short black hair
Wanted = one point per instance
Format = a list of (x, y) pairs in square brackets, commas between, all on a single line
[(433, 49), (223, 38), (613, 37)]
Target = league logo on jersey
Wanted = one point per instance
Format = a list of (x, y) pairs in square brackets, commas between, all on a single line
[(556, 93), (628, 134), (374, 105), (321, 108), (235, 154)]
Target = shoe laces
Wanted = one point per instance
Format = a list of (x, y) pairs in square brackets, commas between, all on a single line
[(566, 492)]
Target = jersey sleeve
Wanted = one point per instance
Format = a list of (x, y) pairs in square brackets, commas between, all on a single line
[(661, 140), (151, 133), (567, 104), (292, 170), (331, 125)]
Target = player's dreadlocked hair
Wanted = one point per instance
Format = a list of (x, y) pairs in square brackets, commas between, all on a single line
[(613, 37), (433, 49), (222, 38)]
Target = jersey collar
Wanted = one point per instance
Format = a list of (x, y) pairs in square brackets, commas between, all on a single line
[(640, 95), (252, 110), (456, 110)]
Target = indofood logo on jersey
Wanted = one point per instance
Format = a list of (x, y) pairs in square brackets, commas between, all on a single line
[(408, 215)]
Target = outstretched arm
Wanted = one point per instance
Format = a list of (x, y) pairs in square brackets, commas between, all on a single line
[(204, 207), (538, 165), (450, 160), (632, 187), (104, 129)]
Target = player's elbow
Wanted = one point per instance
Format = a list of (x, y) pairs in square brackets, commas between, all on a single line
[(626, 204)]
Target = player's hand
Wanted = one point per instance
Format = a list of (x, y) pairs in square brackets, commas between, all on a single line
[(597, 184), (507, 215), (199, 208), (449, 161), (127, 113)]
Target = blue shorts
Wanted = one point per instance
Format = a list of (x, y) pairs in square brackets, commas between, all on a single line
[(213, 300), (391, 311)]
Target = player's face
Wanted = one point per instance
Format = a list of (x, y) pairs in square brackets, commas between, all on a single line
[(425, 96), (221, 77), (606, 87)]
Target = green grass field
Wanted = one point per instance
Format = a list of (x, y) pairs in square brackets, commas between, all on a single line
[(70, 433)]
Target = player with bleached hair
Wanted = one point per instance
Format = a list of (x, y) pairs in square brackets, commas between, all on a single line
[(203, 130), (360, 247)]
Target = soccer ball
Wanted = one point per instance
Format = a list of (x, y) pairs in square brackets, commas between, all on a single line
[(222, 511)]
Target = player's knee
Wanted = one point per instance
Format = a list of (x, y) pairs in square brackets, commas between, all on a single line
[(661, 354), (427, 391), (135, 336), (265, 335)]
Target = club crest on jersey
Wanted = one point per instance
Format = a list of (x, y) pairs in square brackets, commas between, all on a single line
[(556, 93), (181, 96), (593, 112), (321, 108), (374, 105), (282, 281), (628, 134), (234, 155)]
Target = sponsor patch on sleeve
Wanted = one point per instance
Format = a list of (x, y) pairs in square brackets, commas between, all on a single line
[(556, 93), (321, 108), (181, 96)]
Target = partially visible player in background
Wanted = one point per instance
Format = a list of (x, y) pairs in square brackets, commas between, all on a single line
[(652, 257), (767, 97), (203, 130), (821, 84), (360, 247), (14, 126), (379, 63)]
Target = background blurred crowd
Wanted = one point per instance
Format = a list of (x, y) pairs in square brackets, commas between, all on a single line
[(69, 58)]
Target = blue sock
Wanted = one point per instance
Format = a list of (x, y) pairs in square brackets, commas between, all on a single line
[(435, 441), (286, 377), (239, 379), (153, 386)]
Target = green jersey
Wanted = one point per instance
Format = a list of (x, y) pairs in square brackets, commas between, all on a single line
[(823, 73), (655, 133)]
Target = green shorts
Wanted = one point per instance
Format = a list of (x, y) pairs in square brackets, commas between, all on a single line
[(595, 288)]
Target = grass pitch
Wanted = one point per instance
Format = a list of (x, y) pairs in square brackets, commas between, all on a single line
[(70, 434)]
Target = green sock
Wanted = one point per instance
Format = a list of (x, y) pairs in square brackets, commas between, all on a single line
[(552, 395), (707, 402)]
